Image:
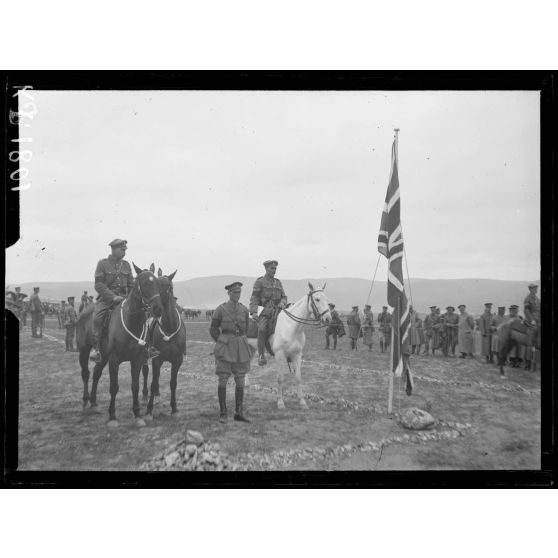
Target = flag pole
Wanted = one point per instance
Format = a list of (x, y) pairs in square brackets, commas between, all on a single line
[(390, 391)]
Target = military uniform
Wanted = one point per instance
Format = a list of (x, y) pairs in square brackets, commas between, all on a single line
[(353, 323), (532, 310), (62, 314), (384, 322), (496, 321), (466, 326), (232, 351), (432, 325), (334, 327), (112, 278), (70, 319), (36, 309), (485, 330), (413, 331), (451, 323), (84, 301), (269, 293), (368, 328)]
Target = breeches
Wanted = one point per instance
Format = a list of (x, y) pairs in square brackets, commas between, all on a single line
[(224, 369), (385, 337), (100, 314)]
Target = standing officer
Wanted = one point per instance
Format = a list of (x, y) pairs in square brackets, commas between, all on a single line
[(451, 323), (432, 331), (232, 351), (485, 329), (334, 326), (465, 332), (62, 314), (384, 321), (532, 310), (496, 321), (70, 319), (84, 301), (267, 292), (368, 326), (36, 309), (353, 323), (113, 282)]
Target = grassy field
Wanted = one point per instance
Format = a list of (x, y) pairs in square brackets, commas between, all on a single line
[(483, 422)]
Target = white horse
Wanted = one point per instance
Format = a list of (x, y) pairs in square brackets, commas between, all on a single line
[(289, 339)]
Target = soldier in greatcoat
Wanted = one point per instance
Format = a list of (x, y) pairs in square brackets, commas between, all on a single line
[(353, 323), (532, 310), (517, 352), (368, 326), (334, 327), (70, 319), (465, 329), (432, 331), (269, 293), (113, 282), (36, 309), (497, 319), (485, 330), (384, 326), (451, 323), (232, 350), (413, 331), (61, 314)]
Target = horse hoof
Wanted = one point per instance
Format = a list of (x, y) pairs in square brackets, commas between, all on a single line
[(148, 418), (112, 423), (280, 405)]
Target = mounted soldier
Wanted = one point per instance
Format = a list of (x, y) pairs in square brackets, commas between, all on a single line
[(113, 282), (267, 292)]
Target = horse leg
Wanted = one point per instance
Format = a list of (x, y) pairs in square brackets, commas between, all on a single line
[(280, 372), (173, 382), (145, 372), (97, 371), (113, 372), (155, 371), (84, 363), (135, 367), (297, 361)]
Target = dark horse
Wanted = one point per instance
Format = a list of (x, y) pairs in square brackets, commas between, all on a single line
[(514, 333), (169, 338), (123, 340)]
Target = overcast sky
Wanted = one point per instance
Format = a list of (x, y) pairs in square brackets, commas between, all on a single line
[(214, 183)]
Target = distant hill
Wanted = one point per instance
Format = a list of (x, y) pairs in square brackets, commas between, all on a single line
[(208, 292)]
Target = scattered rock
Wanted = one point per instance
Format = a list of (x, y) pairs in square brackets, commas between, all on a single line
[(417, 419), (190, 450), (172, 458), (194, 437)]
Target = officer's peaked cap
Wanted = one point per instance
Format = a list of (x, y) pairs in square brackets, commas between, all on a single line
[(462, 306), (488, 303), (234, 286), (36, 288), (531, 285), (269, 262), (118, 242), (514, 306), (450, 308), (71, 298)]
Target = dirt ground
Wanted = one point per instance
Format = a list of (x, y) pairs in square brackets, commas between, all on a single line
[(484, 422)]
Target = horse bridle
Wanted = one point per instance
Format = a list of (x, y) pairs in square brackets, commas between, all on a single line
[(150, 299), (317, 316)]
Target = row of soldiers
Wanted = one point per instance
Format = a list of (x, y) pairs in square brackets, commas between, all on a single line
[(444, 332)]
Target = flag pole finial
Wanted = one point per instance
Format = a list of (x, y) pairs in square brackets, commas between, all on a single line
[(396, 130)]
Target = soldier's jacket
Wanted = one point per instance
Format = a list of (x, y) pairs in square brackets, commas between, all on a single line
[(496, 321), (384, 320), (70, 315), (368, 320), (267, 293), (335, 319), (35, 305), (432, 321), (113, 278), (532, 307), (485, 322), (451, 321), (228, 329)]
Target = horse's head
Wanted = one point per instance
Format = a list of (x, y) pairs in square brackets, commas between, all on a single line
[(165, 282), (148, 289), (317, 301)]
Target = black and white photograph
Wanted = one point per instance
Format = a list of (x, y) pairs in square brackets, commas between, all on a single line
[(277, 279)]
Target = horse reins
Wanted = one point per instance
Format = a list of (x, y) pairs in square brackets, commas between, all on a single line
[(317, 316), (165, 336)]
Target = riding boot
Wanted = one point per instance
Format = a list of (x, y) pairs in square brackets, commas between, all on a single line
[(222, 395), (96, 356), (262, 361), (239, 396)]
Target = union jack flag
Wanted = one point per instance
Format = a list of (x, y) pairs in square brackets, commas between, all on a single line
[(390, 244)]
